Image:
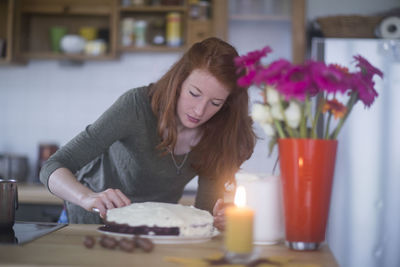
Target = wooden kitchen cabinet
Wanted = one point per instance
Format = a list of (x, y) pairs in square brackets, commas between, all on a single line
[(7, 20), (194, 27), (217, 25), (155, 19), (36, 17)]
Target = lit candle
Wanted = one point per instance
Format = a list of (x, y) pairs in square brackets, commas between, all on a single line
[(239, 225)]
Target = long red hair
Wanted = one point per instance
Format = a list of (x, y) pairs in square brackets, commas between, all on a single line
[(227, 138)]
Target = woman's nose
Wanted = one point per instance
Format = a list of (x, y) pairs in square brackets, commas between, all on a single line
[(200, 108)]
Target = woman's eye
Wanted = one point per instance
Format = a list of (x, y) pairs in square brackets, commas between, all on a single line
[(216, 104), (193, 94)]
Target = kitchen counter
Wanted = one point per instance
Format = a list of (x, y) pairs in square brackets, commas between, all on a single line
[(37, 204), (65, 247), (36, 194)]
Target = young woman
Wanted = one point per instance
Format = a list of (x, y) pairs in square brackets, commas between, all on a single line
[(153, 140)]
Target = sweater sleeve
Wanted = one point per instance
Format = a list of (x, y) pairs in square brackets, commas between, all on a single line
[(208, 192), (114, 124)]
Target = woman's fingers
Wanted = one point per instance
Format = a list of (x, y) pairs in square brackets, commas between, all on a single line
[(103, 212), (219, 222), (218, 207), (219, 214), (126, 201), (108, 199), (219, 217), (99, 207), (112, 199)]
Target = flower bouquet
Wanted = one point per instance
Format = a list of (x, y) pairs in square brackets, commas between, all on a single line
[(288, 91), (303, 109)]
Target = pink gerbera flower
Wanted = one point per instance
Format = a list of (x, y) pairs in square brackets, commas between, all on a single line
[(247, 79), (329, 78), (252, 58), (364, 87), (273, 73), (366, 67), (296, 83)]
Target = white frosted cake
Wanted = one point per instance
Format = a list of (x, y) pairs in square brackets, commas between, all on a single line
[(155, 218)]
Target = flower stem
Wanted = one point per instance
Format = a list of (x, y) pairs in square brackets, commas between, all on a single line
[(303, 121), (279, 129), (316, 118), (327, 126), (288, 129), (295, 133), (350, 105)]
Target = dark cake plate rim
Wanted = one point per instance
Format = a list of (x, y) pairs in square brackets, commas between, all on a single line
[(163, 239)]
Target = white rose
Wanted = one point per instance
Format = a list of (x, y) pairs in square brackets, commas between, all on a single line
[(268, 129), (276, 112), (293, 114), (272, 95), (261, 113)]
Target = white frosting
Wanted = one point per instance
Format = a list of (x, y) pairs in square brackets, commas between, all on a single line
[(190, 220)]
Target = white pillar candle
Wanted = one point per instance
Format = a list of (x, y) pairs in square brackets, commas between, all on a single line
[(264, 196)]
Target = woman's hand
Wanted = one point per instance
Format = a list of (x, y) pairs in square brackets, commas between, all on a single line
[(64, 184), (102, 201), (219, 214)]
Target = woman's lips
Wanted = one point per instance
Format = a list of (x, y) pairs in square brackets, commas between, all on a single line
[(193, 120)]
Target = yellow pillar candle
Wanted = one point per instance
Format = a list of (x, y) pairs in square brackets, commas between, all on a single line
[(239, 225)]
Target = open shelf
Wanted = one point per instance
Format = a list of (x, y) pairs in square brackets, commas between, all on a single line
[(157, 8), (25, 24), (244, 18), (151, 48), (63, 56), (36, 17)]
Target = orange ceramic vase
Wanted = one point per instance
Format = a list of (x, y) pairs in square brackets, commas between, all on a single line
[(307, 169)]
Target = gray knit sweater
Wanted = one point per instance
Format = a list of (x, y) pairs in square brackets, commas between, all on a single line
[(119, 151)]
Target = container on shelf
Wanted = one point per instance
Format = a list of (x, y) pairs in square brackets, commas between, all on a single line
[(140, 33), (128, 31), (89, 33), (174, 33)]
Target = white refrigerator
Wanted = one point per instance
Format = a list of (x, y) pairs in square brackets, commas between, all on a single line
[(364, 221)]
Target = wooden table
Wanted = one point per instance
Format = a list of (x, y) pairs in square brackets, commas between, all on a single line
[(65, 247)]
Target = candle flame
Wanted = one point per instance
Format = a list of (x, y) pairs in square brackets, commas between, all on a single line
[(240, 197)]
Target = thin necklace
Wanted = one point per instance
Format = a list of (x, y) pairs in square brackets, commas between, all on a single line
[(180, 166)]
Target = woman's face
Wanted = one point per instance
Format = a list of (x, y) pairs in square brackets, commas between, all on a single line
[(202, 96)]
